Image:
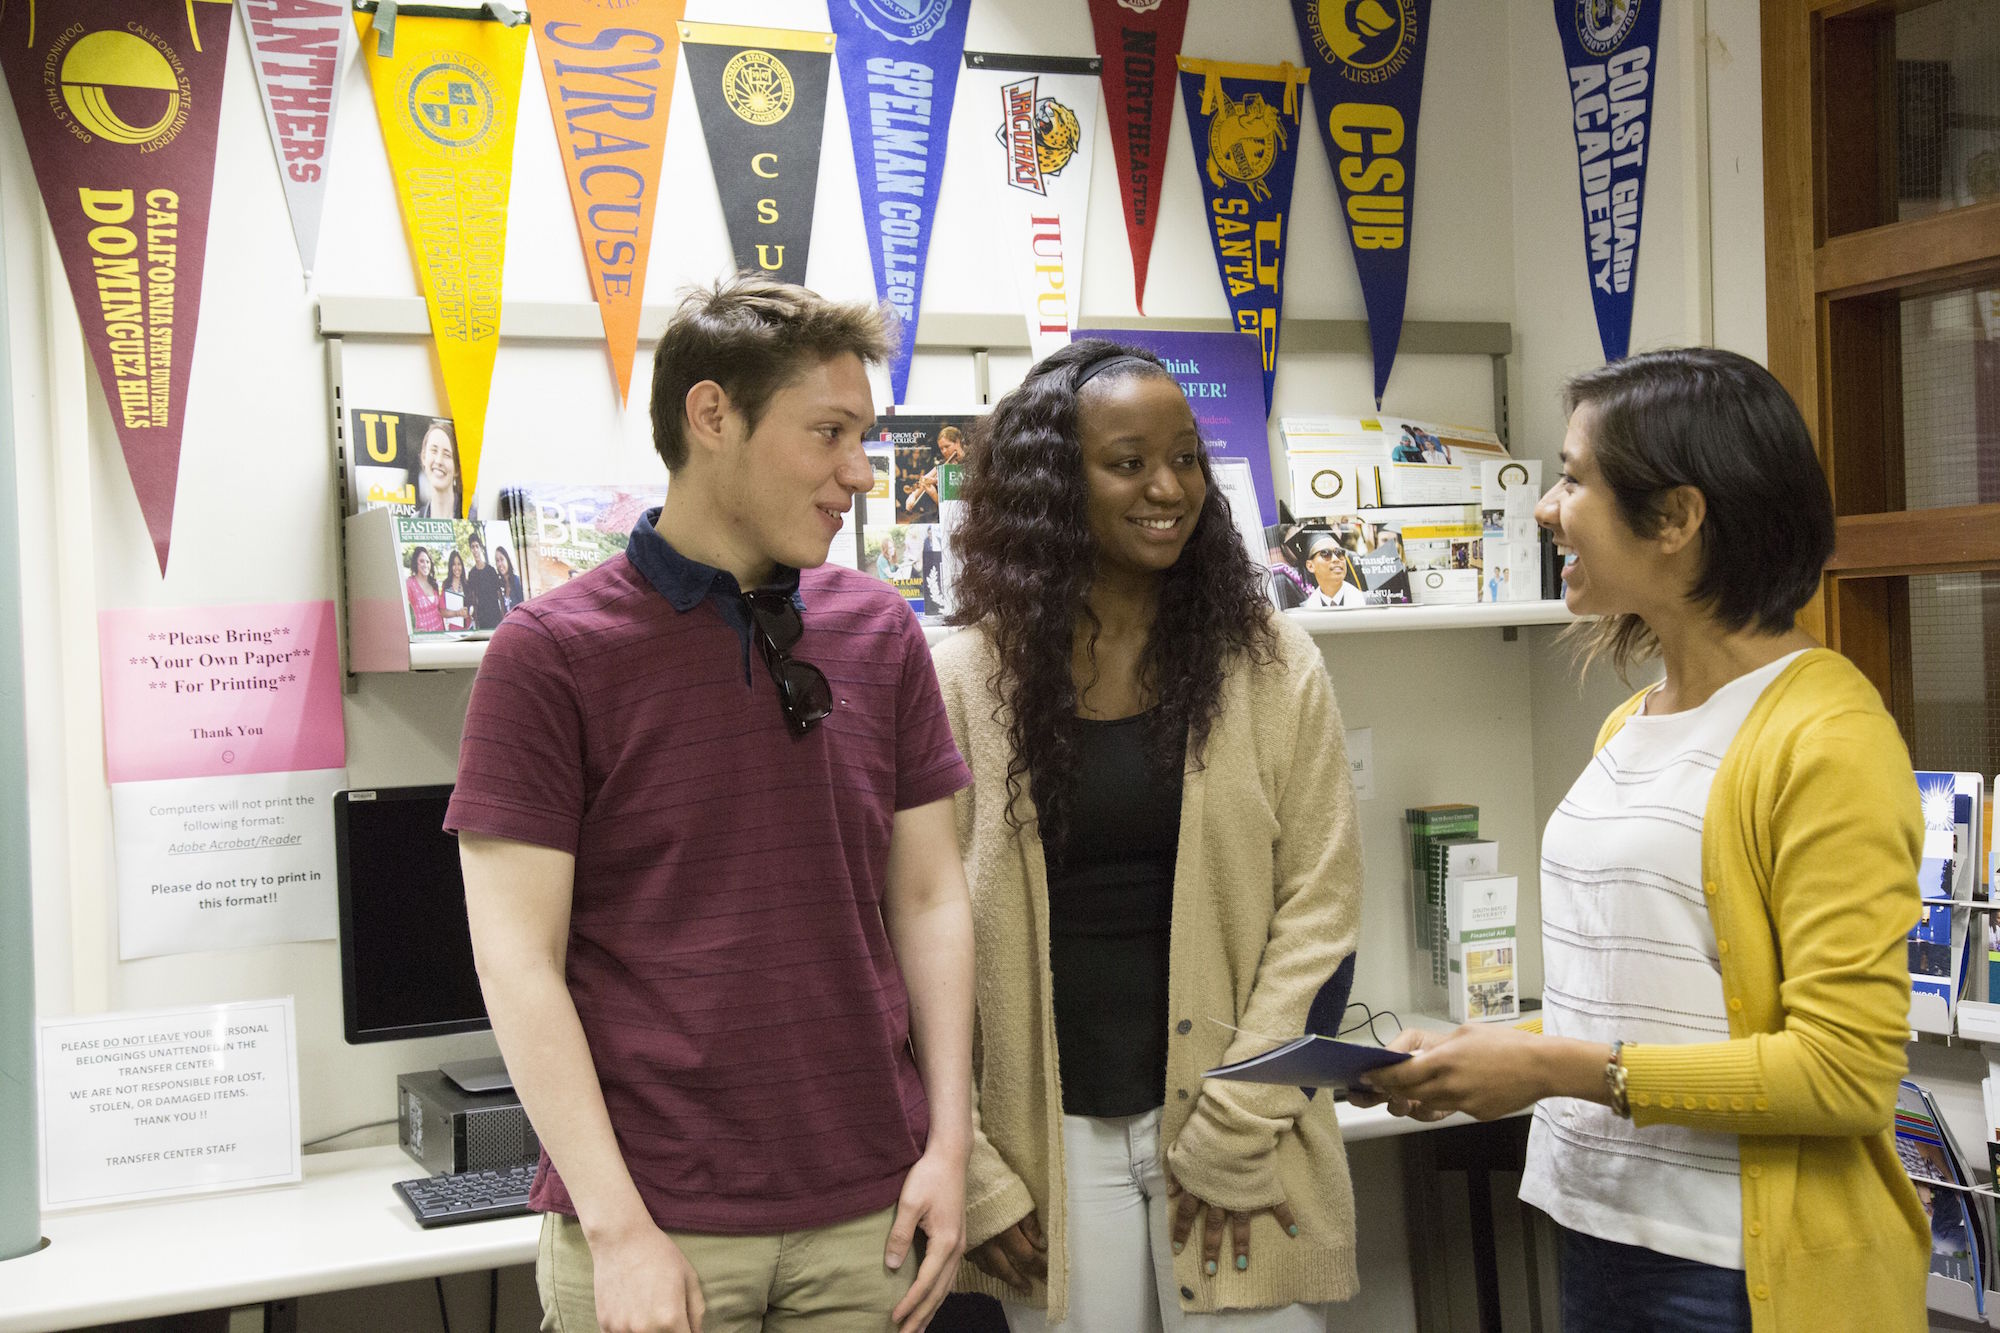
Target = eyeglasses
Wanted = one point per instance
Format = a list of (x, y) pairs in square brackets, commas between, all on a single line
[(802, 687)]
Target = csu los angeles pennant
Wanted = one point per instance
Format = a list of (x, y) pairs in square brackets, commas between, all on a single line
[(1244, 120), (296, 47), (119, 106), (1608, 49), (761, 96), (899, 69), (1367, 59), (1138, 41), (1036, 169)]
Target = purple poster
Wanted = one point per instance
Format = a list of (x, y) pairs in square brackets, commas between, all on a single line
[(1223, 377)]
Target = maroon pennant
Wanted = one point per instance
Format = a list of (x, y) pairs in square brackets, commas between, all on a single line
[(1138, 41), (119, 106)]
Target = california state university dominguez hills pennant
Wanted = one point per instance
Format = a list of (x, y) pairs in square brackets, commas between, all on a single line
[(1609, 48), (1244, 122), (898, 73), (447, 92), (1138, 41), (761, 96), (119, 106), (296, 48), (609, 73), (1367, 62), (1035, 170)]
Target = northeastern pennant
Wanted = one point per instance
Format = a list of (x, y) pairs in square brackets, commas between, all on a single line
[(1609, 49), (1138, 40), (446, 92), (1036, 172), (1244, 120), (1367, 60), (898, 72), (608, 66), (119, 107), (297, 48), (761, 95)]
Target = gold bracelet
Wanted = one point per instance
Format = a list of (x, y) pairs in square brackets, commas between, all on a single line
[(1614, 1082)]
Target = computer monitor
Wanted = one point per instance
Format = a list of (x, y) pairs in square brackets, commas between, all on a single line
[(405, 951)]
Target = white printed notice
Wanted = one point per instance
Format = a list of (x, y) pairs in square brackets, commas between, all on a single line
[(175, 1101), (224, 863)]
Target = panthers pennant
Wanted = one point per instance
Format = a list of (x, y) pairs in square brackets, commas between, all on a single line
[(1036, 169)]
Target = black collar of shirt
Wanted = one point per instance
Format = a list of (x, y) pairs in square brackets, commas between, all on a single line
[(687, 583)]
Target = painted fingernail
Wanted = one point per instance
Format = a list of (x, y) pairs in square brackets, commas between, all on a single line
[(1242, 1262), (1292, 1230), (1211, 1268), (1179, 1245)]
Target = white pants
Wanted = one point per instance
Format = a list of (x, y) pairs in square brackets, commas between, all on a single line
[(1121, 1256)]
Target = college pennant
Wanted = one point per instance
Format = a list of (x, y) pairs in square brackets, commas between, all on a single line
[(297, 48), (1138, 41), (1367, 63), (761, 95), (1608, 51), (898, 72), (609, 72), (446, 90), (1036, 165), (119, 106), (1244, 120)]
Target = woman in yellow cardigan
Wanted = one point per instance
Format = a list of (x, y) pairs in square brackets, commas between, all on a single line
[(1165, 873), (1726, 892)]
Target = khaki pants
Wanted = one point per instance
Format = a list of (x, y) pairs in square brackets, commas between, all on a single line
[(827, 1280)]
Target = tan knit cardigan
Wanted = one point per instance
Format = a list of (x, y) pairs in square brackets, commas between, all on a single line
[(1267, 902)]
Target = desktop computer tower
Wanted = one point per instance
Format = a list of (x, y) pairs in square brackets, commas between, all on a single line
[(448, 1129)]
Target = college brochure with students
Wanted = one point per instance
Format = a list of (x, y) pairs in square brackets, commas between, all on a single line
[(563, 529), (1310, 1062), (384, 449)]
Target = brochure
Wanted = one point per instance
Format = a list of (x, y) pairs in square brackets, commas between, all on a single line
[(1310, 1062)]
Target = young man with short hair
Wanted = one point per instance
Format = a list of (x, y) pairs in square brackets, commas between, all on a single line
[(713, 875)]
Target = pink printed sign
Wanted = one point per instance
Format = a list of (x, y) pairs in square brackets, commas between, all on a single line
[(206, 691)]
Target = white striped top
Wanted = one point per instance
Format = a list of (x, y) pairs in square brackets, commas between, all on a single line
[(1629, 954)]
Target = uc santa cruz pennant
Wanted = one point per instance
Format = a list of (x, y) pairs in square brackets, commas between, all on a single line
[(1367, 61), (1244, 121)]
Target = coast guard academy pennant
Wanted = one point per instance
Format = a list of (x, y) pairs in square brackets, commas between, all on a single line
[(1608, 49), (609, 72), (1367, 60), (761, 95), (297, 48), (1138, 41), (446, 92), (1244, 121), (1035, 163), (899, 70), (119, 105)]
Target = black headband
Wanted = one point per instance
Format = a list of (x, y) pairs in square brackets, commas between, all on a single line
[(1111, 363)]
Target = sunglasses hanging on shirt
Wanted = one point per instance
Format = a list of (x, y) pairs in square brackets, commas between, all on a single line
[(802, 687)]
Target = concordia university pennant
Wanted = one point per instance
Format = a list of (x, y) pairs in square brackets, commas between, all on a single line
[(1244, 120), (898, 72), (1138, 41), (1367, 61), (1608, 49), (119, 106), (297, 48), (761, 95), (608, 66), (1036, 168), (446, 92)]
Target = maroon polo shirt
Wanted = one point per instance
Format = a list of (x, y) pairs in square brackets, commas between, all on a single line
[(727, 955)]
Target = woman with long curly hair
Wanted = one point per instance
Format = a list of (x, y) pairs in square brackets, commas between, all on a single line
[(1166, 875)]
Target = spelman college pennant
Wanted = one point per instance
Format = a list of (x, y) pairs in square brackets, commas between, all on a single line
[(296, 47), (899, 69), (1244, 120), (1608, 49), (1367, 60), (761, 95), (1035, 165), (1138, 41), (119, 106), (446, 91), (608, 66)]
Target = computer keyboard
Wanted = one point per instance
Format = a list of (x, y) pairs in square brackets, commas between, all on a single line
[(469, 1196)]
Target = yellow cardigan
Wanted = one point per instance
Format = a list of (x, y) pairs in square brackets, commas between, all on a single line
[(1267, 902), (1810, 848)]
